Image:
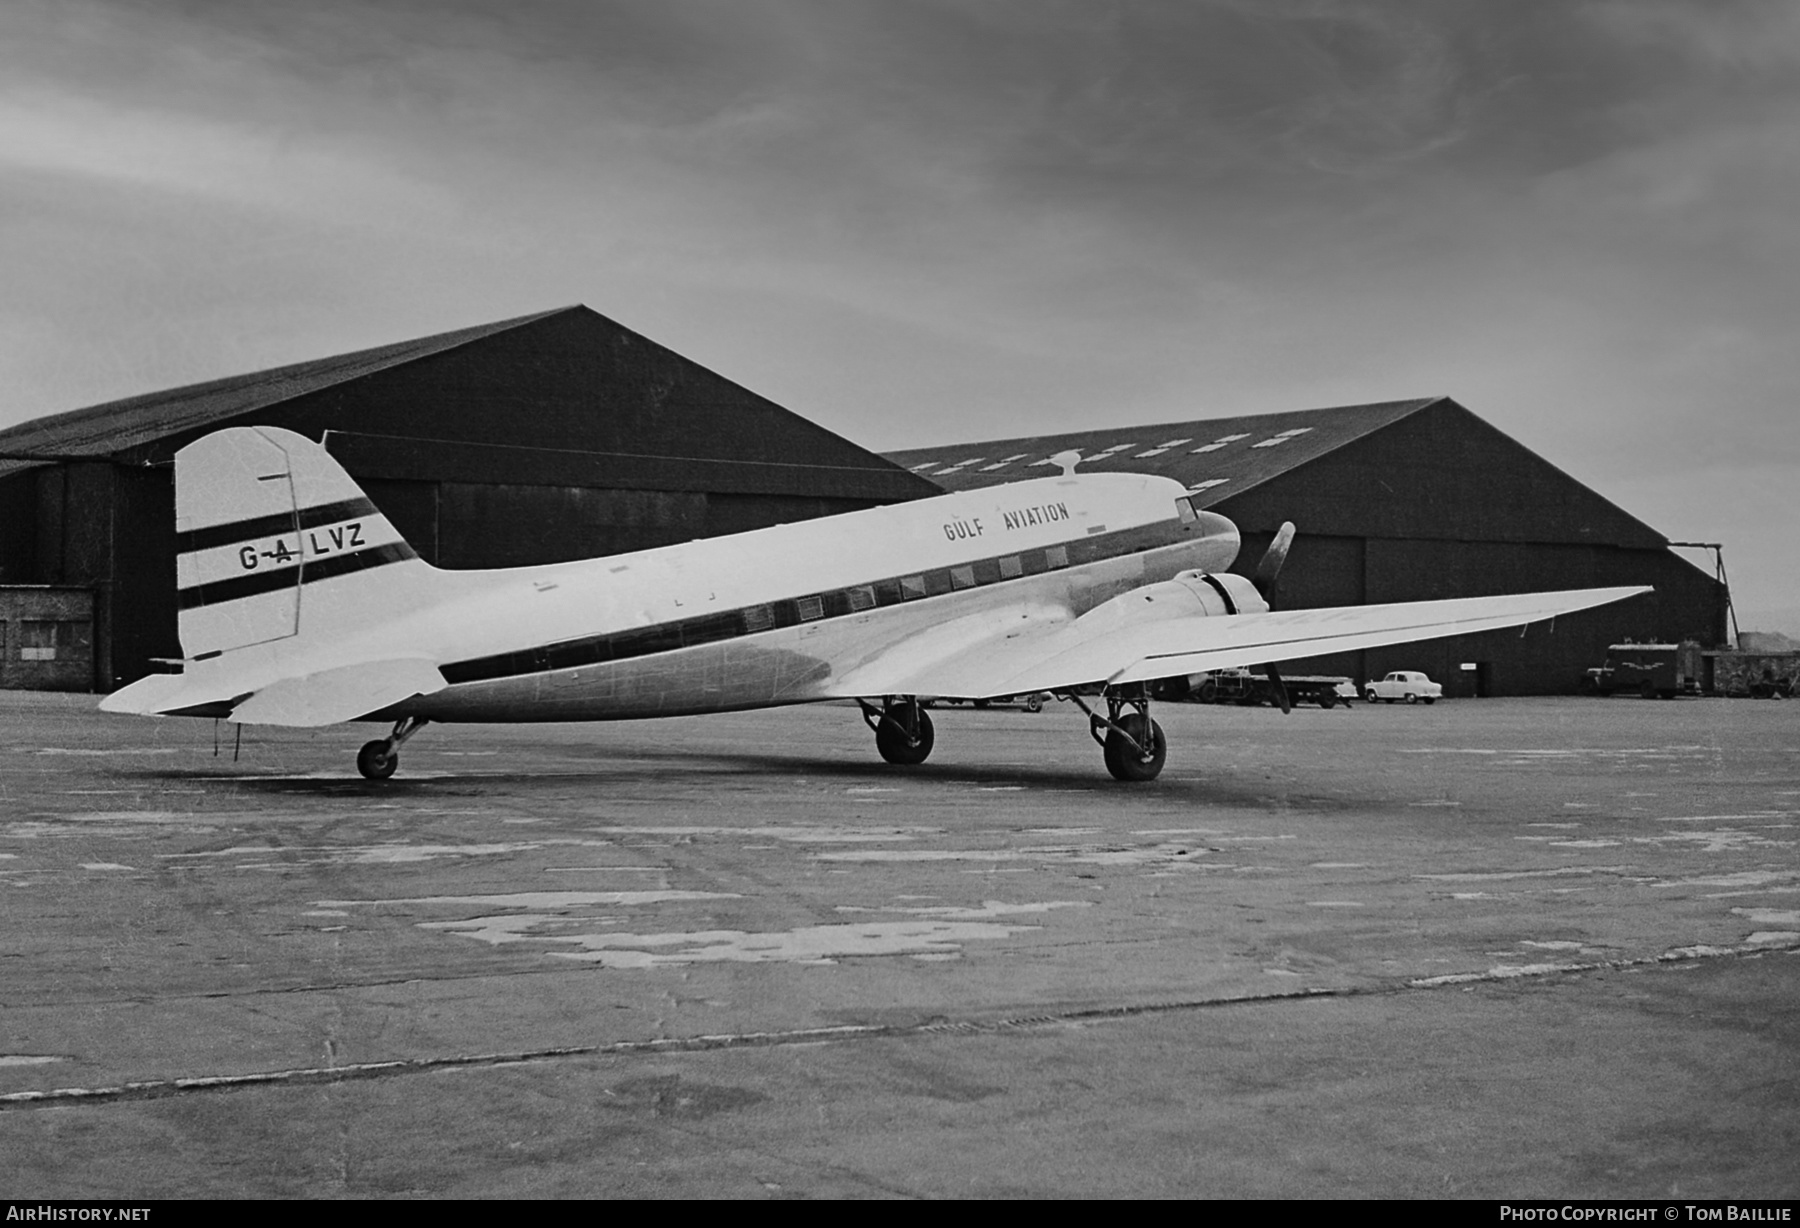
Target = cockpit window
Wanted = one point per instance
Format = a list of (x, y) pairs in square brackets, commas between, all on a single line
[(1184, 507)]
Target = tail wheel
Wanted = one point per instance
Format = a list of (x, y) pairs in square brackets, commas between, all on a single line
[(1127, 762), (377, 761), (904, 734)]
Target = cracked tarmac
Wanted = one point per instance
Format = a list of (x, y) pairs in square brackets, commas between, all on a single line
[(1504, 948)]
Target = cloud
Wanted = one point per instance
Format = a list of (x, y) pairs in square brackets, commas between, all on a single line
[(116, 149), (944, 218)]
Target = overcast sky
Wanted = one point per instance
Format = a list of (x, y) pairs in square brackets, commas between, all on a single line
[(921, 222)]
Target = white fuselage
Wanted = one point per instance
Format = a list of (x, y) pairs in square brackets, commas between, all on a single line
[(784, 615)]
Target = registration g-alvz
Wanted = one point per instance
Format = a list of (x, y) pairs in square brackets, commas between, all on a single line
[(337, 539)]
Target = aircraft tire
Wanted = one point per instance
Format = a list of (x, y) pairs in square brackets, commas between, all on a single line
[(376, 762), (1124, 762), (895, 746)]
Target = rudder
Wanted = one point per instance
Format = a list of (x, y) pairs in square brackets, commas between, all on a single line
[(274, 540)]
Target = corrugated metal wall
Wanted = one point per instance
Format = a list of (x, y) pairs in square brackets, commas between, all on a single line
[(1442, 505)]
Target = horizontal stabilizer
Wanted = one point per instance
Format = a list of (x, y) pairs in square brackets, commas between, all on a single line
[(163, 694), (341, 694)]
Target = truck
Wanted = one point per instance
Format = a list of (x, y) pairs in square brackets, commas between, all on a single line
[(1241, 686), (1651, 670)]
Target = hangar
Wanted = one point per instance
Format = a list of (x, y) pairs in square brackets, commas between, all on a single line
[(1399, 501), (565, 435), (555, 436)]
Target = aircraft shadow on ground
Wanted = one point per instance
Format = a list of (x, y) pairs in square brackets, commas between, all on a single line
[(715, 766)]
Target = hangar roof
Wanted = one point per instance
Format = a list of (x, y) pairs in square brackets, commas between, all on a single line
[(114, 426), (1463, 480), (561, 398), (1218, 457)]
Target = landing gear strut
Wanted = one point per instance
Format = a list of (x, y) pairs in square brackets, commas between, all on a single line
[(1133, 745), (903, 731), (378, 759)]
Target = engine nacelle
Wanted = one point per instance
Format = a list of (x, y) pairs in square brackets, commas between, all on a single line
[(1188, 594)]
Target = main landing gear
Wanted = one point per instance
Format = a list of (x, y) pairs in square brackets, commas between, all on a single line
[(378, 759), (903, 731), (1133, 745)]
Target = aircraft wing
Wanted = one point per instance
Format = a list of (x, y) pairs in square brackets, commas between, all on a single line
[(1042, 656)]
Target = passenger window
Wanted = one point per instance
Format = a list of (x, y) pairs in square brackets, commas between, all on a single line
[(911, 587), (1010, 567), (810, 608), (1057, 556), (962, 577)]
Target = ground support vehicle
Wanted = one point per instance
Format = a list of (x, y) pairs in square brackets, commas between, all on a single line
[(1031, 701), (1651, 670), (1241, 686)]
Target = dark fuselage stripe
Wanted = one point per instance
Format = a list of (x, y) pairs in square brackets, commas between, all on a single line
[(255, 583), (216, 535), (814, 607)]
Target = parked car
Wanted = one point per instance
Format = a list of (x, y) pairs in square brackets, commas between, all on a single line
[(1407, 684)]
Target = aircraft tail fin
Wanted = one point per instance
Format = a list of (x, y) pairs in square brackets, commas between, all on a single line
[(275, 541)]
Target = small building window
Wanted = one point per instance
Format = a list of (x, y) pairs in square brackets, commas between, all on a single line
[(43, 640)]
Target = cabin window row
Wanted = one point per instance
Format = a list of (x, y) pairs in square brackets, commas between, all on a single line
[(752, 620)]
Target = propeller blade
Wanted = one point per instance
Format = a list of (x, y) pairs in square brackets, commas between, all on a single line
[(1264, 580), (1272, 559), (1279, 687)]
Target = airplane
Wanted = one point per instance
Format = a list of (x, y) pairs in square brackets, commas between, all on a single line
[(301, 605)]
